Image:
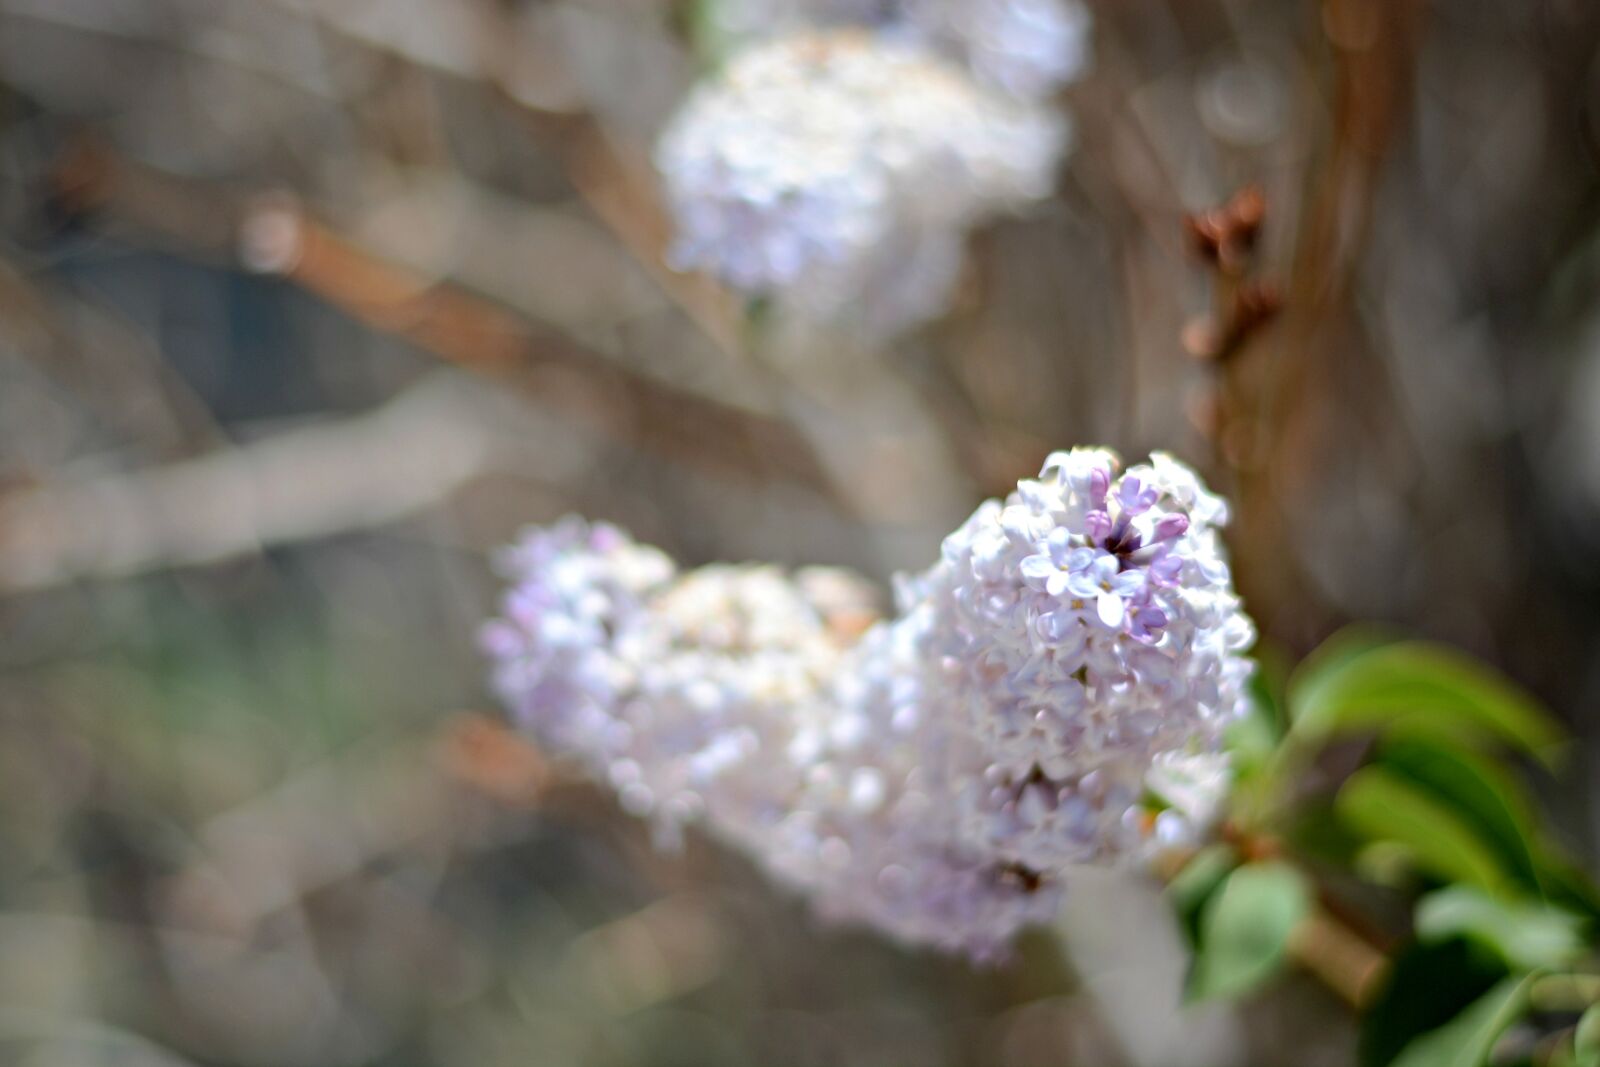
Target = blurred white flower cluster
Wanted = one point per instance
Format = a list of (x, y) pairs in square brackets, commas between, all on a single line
[(1028, 49), (836, 171), (1051, 693)]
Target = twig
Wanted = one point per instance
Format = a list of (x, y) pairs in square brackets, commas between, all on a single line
[(622, 196), (486, 44), (1373, 45), (275, 234), (132, 387), (299, 485), (1225, 238), (1339, 957)]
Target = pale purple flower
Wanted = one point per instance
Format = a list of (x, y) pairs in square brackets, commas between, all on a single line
[(837, 173), (1026, 48), (1062, 568), (1077, 649)]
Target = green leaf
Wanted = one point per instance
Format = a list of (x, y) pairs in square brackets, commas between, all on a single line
[(1488, 797), (1419, 687), (1269, 686), (1482, 794), (1384, 807), (1428, 985), (1566, 883), (1193, 886), (1251, 739), (1253, 743), (1311, 683), (1468, 1039), (1315, 831), (1527, 936), (1388, 864), (708, 36), (1586, 1038), (1245, 927)]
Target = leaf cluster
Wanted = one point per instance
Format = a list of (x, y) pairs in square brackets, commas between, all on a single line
[(1381, 792)]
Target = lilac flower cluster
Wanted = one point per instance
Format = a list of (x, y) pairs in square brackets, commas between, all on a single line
[(1051, 693), (674, 689), (836, 173), (1028, 49), (1087, 633)]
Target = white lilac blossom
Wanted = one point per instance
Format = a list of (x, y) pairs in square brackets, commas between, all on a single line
[(1051, 693), (834, 171), (674, 689), (1028, 49), (1086, 631)]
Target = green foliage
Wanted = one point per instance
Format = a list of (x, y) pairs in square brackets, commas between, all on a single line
[(1269, 687), (1310, 684), (1414, 688), (1478, 792), (1315, 832), (1566, 883), (1586, 1038), (1429, 984), (1244, 929), (1252, 739), (1526, 936), (1385, 808), (1469, 1038), (1435, 820), (1196, 884), (700, 24)]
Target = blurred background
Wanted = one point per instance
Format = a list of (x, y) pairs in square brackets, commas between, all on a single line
[(305, 305)]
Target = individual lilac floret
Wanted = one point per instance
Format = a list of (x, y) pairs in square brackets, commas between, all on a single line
[(1051, 693)]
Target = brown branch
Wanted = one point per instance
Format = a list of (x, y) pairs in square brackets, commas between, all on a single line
[(274, 234), (1269, 412), (618, 189), (1225, 236), (111, 364), (1340, 958), (622, 194)]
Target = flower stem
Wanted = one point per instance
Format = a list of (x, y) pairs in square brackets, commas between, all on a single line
[(1342, 959)]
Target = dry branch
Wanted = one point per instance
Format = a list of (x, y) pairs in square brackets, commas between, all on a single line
[(273, 233), (299, 485)]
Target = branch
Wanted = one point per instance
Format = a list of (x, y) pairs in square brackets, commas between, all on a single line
[(1339, 957), (273, 234), (300, 485)]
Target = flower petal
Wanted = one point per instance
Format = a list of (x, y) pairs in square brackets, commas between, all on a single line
[(1111, 609), (1038, 568)]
